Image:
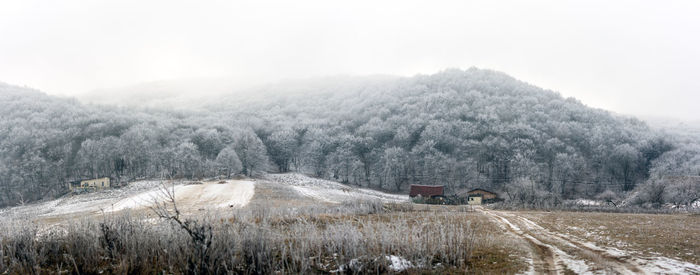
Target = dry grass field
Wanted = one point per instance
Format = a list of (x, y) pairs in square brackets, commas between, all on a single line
[(609, 243), (363, 237), (279, 231), (288, 232), (412, 230), (673, 236)]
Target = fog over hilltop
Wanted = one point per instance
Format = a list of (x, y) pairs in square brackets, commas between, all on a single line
[(202, 92), (637, 57)]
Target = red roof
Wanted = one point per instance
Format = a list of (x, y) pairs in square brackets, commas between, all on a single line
[(426, 191)]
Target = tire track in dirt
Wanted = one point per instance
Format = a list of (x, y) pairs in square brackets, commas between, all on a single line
[(621, 264), (567, 254), (543, 258)]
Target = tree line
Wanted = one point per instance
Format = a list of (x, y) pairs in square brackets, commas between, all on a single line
[(461, 128)]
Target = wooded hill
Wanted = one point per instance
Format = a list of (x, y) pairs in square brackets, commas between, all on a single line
[(463, 129)]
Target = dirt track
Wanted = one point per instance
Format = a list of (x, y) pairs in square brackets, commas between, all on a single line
[(557, 253)]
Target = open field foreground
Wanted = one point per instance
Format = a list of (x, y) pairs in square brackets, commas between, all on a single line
[(591, 243), (290, 223)]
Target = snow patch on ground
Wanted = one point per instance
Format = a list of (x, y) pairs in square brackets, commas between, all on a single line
[(589, 202), (330, 191), (585, 202), (654, 265), (134, 195), (663, 265), (530, 266), (577, 266), (398, 263), (71, 204), (207, 195), (613, 251), (693, 206)]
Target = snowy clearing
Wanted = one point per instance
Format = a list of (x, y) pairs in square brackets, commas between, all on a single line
[(136, 196), (195, 196), (78, 204), (330, 191)]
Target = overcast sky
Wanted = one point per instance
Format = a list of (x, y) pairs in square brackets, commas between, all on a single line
[(633, 57)]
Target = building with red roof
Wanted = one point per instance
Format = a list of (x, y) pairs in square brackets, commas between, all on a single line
[(426, 191)]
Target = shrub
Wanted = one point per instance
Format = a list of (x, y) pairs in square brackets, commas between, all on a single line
[(254, 240)]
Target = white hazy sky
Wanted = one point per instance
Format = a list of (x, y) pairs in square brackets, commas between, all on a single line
[(634, 57)]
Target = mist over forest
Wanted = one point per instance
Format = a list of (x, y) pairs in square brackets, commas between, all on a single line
[(459, 128)]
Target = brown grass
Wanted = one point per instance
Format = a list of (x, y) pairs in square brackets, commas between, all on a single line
[(669, 235), (277, 232), (493, 251), (314, 239)]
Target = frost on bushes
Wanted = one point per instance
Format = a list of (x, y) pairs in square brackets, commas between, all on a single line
[(303, 240), (607, 196), (365, 206), (528, 194), (675, 192)]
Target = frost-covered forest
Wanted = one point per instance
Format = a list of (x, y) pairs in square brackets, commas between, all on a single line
[(463, 129)]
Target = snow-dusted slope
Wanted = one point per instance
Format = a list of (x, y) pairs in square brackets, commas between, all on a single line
[(195, 196), (136, 195), (190, 198), (330, 191), (79, 204)]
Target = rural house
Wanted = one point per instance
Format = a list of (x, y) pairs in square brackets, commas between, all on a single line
[(99, 183), (480, 196), (426, 191)]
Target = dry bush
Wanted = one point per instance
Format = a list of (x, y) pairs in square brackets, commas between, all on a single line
[(354, 237)]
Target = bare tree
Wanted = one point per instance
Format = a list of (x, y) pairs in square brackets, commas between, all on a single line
[(200, 233)]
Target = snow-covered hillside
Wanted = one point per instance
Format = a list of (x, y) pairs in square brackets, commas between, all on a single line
[(190, 198), (195, 196), (330, 191), (136, 196)]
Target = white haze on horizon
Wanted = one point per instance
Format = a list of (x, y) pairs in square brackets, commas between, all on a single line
[(632, 57)]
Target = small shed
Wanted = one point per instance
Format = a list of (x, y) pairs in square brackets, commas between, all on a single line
[(475, 200), (99, 183), (426, 191), (479, 196)]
